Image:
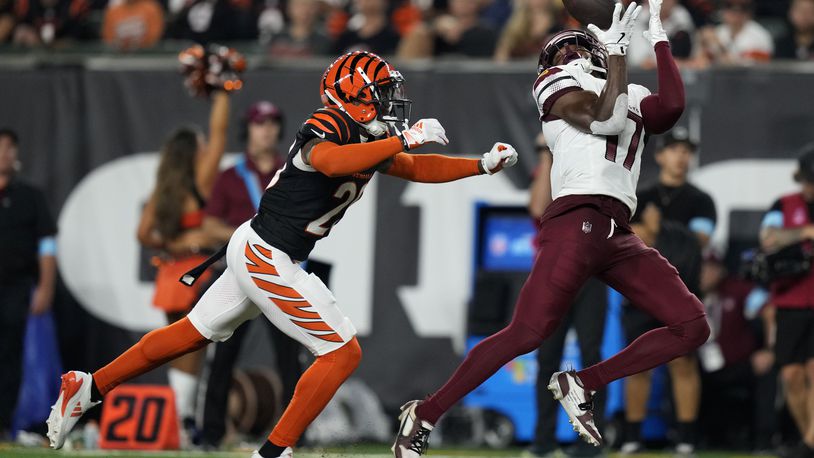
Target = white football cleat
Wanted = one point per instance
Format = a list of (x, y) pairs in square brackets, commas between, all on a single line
[(287, 453), (578, 404), (413, 435), (72, 403), (630, 448)]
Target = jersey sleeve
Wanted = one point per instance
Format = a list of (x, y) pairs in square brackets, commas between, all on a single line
[(327, 124), (636, 94), (46, 227), (706, 217), (552, 84), (773, 217)]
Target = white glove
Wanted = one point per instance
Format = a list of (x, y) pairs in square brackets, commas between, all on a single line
[(617, 38), (424, 131), (501, 155), (656, 33)]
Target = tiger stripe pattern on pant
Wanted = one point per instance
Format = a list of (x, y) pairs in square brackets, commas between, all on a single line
[(259, 261)]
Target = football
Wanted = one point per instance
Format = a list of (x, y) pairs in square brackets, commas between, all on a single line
[(597, 12)]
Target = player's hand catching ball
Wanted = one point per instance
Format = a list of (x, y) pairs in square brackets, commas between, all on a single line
[(656, 31), (617, 38), (424, 131), (500, 156)]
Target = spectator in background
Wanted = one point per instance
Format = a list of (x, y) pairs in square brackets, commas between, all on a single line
[(739, 384), (680, 29), (788, 223), (133, 24), (235, 199), (52, 22), (497, 12), (461, 32), (7, 20), (207, 21), (405, 16), (27, 270), (530, 25), (701, 10), (798, 43), (586, 315), (678, 219), (368, 29), (302, 36), (172, 223), (739, 39)]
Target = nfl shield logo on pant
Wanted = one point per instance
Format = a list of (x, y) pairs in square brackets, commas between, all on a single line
[(586, 227)]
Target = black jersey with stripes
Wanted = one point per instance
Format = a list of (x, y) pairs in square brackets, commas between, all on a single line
[(301, 205)]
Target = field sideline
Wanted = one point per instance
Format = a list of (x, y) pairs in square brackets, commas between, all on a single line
[(351, 452)]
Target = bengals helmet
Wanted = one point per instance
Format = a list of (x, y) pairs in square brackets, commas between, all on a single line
[(578, 44), (368, 89)]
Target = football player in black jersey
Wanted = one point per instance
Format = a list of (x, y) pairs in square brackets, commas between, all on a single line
[(360, 130)]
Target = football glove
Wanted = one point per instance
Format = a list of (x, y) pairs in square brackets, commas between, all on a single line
[(656, 32), (617, 38), (501, 155), (424, 131)]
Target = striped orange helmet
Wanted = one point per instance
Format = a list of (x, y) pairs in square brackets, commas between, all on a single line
[(366, 87)]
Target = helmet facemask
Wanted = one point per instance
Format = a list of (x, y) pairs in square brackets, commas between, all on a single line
[(578, 45), (392, 106)]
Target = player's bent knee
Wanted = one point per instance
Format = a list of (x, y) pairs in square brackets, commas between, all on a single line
[(699, 331), (694, 332), (350, 355)]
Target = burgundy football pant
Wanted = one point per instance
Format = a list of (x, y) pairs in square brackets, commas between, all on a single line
[(584, 236)]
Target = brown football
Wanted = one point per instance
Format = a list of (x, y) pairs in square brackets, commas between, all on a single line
[(597, 12)]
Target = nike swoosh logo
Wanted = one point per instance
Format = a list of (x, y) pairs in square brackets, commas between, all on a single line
[(622, 37), (318, 134)]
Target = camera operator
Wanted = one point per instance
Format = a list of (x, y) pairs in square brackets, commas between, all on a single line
[(788, 224)]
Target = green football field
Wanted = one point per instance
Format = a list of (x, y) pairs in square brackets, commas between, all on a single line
[(351, 452)]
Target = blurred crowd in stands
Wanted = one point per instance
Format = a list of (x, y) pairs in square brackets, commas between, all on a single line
[(702, 32)]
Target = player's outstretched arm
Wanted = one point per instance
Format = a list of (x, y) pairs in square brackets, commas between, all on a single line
[(662, 110), (607, 113), (436, 168), (340, 160)]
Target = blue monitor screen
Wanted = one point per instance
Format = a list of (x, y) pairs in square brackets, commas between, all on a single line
[(506, 242)]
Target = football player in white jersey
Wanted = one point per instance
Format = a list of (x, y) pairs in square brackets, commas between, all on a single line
[(595, 123)]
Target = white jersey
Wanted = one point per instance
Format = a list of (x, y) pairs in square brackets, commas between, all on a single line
[(586, 163)]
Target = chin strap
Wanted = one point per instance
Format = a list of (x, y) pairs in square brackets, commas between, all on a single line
[(588, 66), (376, 128)]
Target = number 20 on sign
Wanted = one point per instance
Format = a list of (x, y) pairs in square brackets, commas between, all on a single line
[(139, 417)]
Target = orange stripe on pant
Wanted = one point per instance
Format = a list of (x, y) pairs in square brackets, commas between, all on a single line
[(295, 309), (289, 300), (257, 265), (314, 325), (284, 291)]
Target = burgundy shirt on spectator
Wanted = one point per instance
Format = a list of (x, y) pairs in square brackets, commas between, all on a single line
[(230, 201), (732, 332)]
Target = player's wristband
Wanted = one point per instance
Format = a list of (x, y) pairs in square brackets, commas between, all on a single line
[(616, 49), (404, 143), (481, 168)]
